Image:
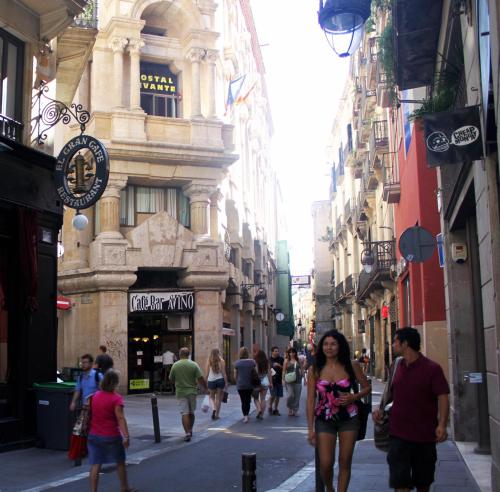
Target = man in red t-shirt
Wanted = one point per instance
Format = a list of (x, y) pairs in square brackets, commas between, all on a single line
[(418, 417)]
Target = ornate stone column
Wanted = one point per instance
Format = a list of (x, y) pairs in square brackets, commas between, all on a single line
[(214, 215), (195, 56), (134, 49), (110, 208), (118, 45), (211, 58), (200, 200)]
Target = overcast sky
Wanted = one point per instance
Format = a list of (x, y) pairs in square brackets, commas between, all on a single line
[(305, 80)]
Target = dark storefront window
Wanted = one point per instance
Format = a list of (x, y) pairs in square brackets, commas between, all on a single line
[(150, 336), (141, 201), (159, 91), (11, 67)]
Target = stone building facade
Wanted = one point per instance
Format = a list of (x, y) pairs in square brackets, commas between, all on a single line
[(183, 238)]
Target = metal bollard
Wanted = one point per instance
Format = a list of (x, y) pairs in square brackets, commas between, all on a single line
[(156, 420), (248, 475), (320, 486)]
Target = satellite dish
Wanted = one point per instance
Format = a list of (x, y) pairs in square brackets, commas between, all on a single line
[(417, 244), (280, 316)]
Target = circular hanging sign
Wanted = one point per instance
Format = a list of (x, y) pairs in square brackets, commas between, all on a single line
[(280, 316), (82, 172), (417, 244)]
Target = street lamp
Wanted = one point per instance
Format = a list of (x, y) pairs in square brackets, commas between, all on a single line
[(367, 259), (343, 23), (80, 221)]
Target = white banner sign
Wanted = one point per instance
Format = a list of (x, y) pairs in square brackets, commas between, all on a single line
[(161, 301), (301, 280)]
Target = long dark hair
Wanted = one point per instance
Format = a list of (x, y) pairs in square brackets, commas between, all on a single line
[(262, 362), (344, 356)]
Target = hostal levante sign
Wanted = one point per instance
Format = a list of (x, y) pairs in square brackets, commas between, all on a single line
[(157, 79), (161, 302)]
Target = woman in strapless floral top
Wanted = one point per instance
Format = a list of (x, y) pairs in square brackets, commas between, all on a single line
[(331, 406)]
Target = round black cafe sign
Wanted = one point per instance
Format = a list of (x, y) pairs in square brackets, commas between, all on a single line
[(82, 172)]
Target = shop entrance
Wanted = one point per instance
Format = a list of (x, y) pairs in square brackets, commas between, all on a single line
[(154, 341)]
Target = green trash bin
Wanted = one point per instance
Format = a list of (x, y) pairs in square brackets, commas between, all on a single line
[(54, 419)]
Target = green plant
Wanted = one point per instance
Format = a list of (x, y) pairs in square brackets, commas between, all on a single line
[(444, 94), (386, 58), (383, 5), (370, 25)]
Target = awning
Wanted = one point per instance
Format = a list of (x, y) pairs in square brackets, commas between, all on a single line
[(417, 24), (63, 303)]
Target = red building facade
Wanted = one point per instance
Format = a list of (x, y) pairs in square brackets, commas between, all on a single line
[(420, 285)]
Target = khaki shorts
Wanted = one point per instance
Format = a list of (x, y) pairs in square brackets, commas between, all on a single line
[(187, 404)]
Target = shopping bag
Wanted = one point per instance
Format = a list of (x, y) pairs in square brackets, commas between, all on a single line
[(205, 406), (225, 397)]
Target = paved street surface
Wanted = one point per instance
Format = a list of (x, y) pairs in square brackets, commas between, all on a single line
[(212, 461)]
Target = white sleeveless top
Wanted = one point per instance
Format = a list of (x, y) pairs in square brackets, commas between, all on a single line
[(213, 376)]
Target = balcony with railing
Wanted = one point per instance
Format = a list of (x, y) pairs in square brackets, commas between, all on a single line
[(390, 175), (371, 64), (348, 211), (379, 141), (10, 128), (350, 285), (360, 207), (339, 292), (384, 260), (384, 96), (369, 181)]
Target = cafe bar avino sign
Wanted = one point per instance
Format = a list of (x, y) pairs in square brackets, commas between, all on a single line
[(161, 302)]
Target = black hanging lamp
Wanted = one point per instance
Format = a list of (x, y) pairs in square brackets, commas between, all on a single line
[(343, 23)]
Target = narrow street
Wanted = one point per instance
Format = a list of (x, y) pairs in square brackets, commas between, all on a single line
[(212, 461)]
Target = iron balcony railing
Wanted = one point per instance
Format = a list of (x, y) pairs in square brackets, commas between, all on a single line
[(379, 139), (339, 291), (349, 285), (384, 256), (390, 176), (10, 128), (347, 210), (88, 18)]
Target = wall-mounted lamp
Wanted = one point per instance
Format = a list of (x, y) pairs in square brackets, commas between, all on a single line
[(80, 221), (367, 259)]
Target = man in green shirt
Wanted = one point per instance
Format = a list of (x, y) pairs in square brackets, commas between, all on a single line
[(186, 375)]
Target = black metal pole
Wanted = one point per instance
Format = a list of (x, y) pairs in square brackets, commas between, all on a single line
[(320, 486), (156, 420), (248, 475)]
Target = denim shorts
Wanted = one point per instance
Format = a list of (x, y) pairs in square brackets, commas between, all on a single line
[(105, 449), (336, 426), (216, 384)]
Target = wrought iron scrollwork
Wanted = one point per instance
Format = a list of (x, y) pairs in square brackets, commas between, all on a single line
[(51, 112)]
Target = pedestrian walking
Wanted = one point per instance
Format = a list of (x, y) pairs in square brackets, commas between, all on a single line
[(276, 362), (331, 406), (292, 376), (103, 361), (364, 361), (260, 393), (418, 416), (87, 383), (216, 381), (243, 372), (186, 375), (108, 437)]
